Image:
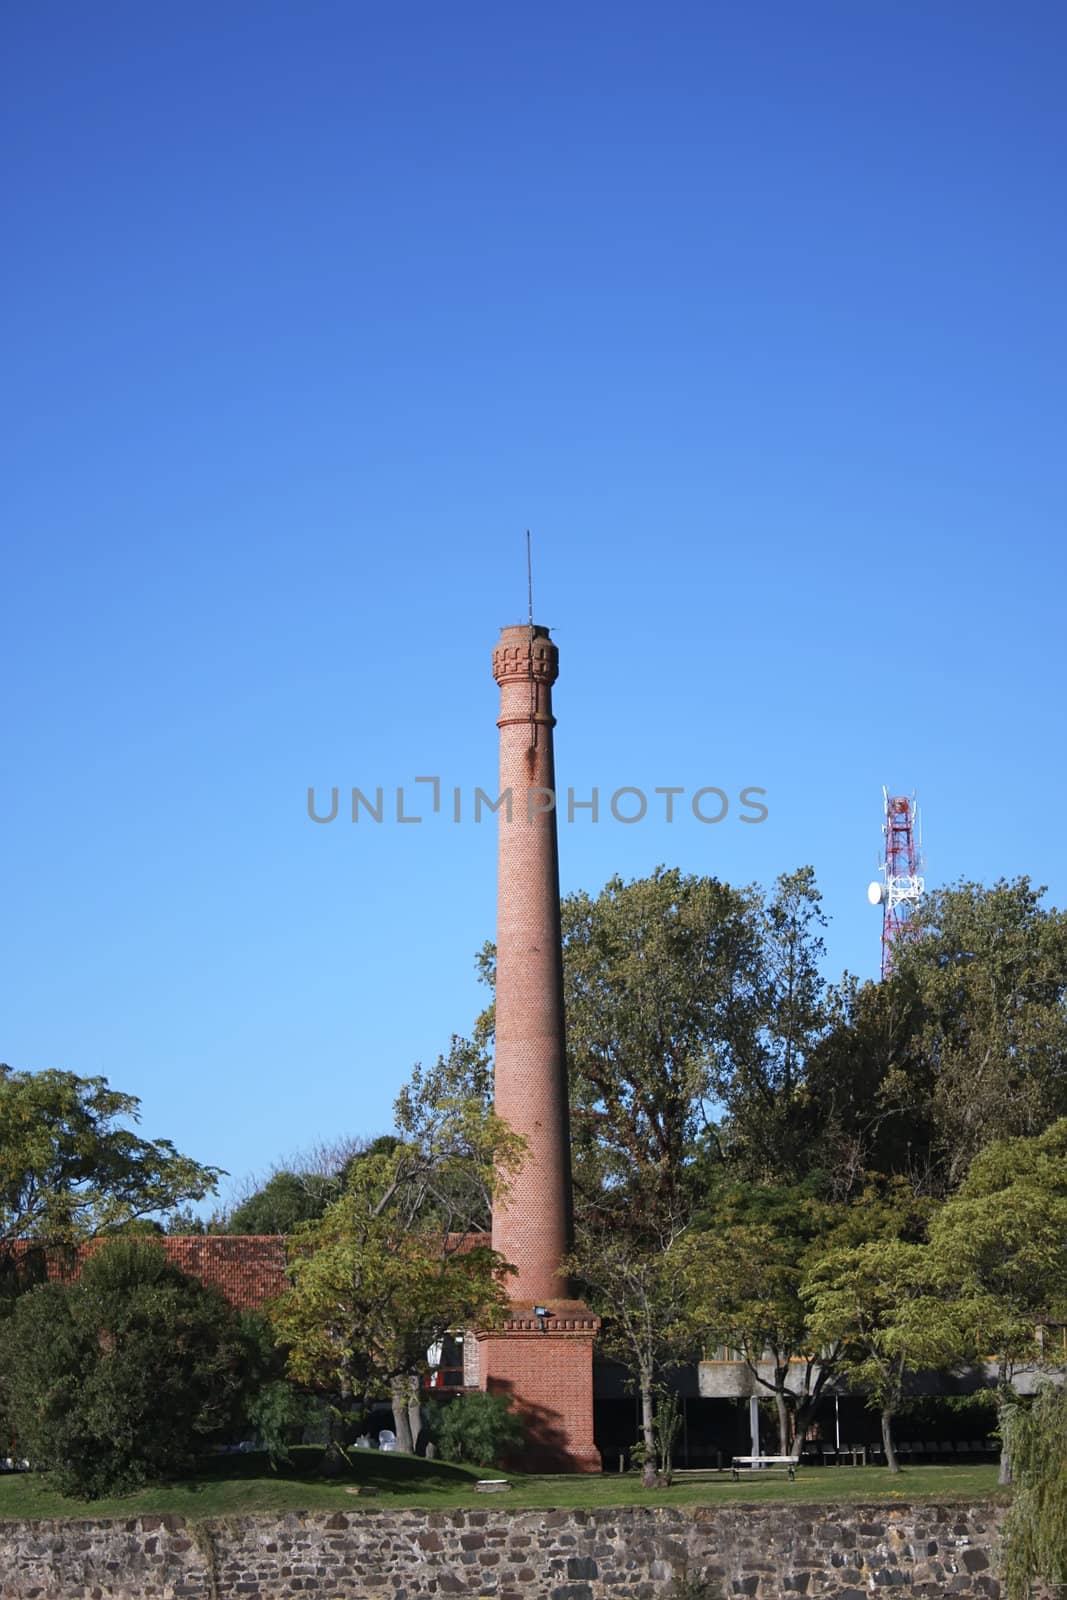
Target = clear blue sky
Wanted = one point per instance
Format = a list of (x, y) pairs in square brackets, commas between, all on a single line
[(754, 313)]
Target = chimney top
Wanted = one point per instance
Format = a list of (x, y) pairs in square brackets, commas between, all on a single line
[(524, 652)]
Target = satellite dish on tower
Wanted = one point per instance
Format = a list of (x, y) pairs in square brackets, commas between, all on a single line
[(876, 893)]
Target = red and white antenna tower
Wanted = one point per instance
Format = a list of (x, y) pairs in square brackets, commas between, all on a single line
[(901, 888)]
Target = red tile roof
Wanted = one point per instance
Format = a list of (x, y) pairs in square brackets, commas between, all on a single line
[(248, 1268)]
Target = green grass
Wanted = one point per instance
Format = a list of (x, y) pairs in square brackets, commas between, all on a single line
[(244, 1485)]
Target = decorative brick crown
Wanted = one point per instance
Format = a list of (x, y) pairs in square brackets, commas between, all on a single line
[(523, 652)]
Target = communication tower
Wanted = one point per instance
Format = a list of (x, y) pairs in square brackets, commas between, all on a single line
[(900, 888)]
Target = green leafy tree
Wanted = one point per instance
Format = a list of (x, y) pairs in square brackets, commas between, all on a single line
[(990, 973), (770, 1030), (655, 980), (282, 1203), (639, 1286), (1035, 1532), (679, 991), (124, 1376), (445, 1121), (653, 971), (881, 1304), (745, 1274), (373, 1288), (869, 1090), (394, 1264), (70, 1169), (184, 1221), (962, 1044), (1001, 1244), (298, 1190)]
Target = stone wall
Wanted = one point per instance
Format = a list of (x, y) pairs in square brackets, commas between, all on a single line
[(756, 1552)]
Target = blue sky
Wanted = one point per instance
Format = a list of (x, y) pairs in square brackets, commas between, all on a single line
[(753, 313)]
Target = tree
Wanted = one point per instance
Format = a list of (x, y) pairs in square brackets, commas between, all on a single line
[(184, 1221), (122, 1377), (990, 972), (1035, 1532), (745, 1274), (297, 1190), (678, 990), (654, 978), (374, 1285), (640, 1288), (70, 1170), (964, 1042), (282, 1203), (881, 1304), (1001, 1245), (771, 1027), (394, 1263), (444, 1116), (869, 1091)]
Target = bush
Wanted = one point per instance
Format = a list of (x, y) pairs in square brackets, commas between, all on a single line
[(1035, 1532), (478, 1428), (689, 1585), (274, 1411), (124, 1376)]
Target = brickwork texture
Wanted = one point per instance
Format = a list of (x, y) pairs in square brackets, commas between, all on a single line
[(532, 1229), (248, 1268), (545, 1363)]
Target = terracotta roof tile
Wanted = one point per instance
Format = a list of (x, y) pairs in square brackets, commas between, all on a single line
[(248, 1268)]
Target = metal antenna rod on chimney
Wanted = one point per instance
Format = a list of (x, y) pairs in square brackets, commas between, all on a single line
[(530, 658), (529, 578)]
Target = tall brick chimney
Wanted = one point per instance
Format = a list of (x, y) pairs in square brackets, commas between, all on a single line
[(533, 1229), (543, 1356)]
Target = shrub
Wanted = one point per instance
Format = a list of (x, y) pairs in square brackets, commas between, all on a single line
[(689, 1585), (124, 1376), (274, 1411), (478, 1428), (1035, 1533)]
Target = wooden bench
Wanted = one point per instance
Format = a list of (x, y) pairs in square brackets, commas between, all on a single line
[(786, 1464)]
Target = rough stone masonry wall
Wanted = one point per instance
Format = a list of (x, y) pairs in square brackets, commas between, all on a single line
[(780, 1552)]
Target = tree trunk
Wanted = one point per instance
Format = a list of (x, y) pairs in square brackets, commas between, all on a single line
[(649, 1474), (401, 1426), (807, 1402), (803, 1418), (887, 1442), (334, 1460), (783, 1422), (1004, 1392), (415, 1412)]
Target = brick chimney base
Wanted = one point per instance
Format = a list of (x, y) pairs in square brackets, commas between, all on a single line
[(549, 1376)]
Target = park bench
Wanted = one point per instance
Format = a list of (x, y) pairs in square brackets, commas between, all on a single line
[(786, 1464)]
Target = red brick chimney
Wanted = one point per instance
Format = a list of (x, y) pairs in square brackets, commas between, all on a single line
[(543, 1358), (533, 1228)]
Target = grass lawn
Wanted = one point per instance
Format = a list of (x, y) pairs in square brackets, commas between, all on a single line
[(240, 1485)]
